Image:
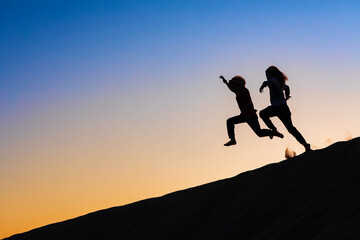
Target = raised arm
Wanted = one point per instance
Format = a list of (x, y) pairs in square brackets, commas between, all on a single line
[(226, 82), (232, 87)]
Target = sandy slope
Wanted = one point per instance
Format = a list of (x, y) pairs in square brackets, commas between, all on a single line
[(312, 196)]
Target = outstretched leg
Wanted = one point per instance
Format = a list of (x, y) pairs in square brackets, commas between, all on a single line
[(230, 124), (255, 126), (286, 120)]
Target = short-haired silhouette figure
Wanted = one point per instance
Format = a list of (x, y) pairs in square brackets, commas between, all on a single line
[(248, 113), (276, 84)]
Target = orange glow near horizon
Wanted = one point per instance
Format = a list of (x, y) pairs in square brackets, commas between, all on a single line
[(73, 169)]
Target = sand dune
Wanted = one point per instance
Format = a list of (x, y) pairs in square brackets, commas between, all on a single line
[(314, 195)]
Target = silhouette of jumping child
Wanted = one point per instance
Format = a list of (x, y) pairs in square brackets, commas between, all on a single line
[(276, 83), (248, 113)]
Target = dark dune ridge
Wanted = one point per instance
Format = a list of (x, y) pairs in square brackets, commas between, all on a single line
[(315, 195)]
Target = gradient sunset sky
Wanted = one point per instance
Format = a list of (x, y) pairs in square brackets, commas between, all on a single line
[(103, 103)]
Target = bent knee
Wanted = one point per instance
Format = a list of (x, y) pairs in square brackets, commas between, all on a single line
[(263, 114), (229, 121)]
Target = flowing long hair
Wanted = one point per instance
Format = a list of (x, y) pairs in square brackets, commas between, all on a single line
[(275, 72)]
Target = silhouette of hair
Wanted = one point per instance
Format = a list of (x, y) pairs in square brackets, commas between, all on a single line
[(275, 72), (239, 78)]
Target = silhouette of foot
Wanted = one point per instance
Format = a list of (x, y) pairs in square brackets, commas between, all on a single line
[(275, 133), (308, 148), (231, 142)]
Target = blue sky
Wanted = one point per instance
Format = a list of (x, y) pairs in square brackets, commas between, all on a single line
[(60, 48)]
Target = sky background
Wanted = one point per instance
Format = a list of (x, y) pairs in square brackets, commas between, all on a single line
[(103, 103)]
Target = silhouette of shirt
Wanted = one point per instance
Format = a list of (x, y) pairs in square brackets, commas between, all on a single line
[(276, 91), (243, 98)]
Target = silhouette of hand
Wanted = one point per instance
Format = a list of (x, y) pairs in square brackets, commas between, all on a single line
[(223, 79)]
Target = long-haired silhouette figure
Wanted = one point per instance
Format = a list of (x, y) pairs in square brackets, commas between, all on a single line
[(248, 113), (276, 83)]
